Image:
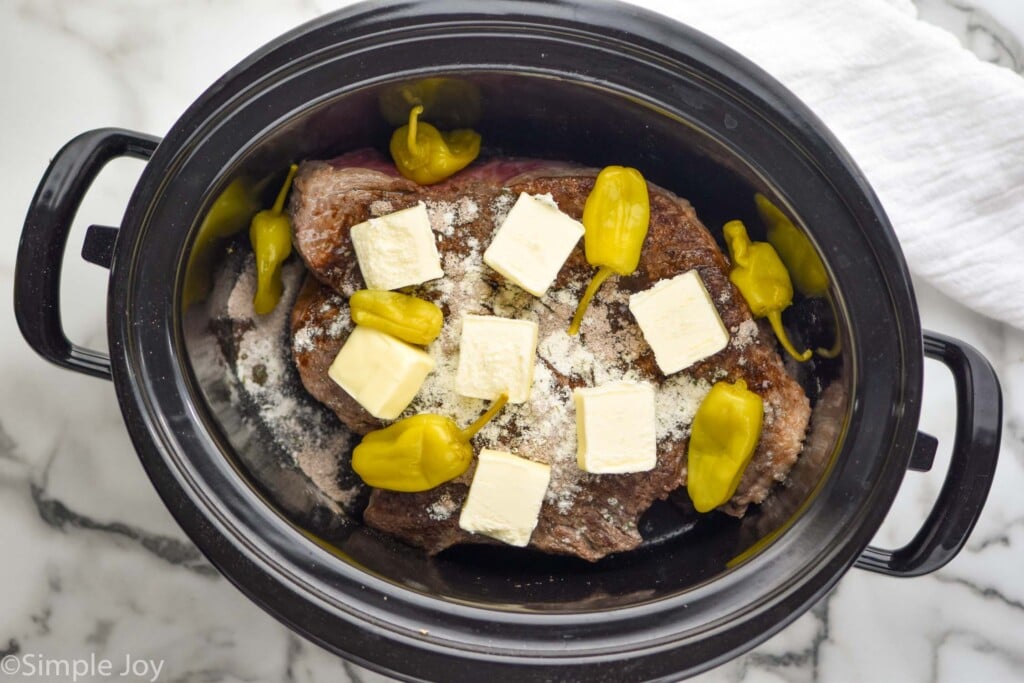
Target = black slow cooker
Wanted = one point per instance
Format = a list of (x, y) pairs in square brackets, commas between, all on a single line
[(593, 82)]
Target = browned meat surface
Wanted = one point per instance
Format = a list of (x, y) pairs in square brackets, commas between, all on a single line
[(320, 311), (585, 515)]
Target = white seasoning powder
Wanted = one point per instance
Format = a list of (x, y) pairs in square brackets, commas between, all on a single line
[(339, 326), (744, 334), (305, 339), (381, 207), (445, 217), (443, 508), (264, 372), (676, 404), (500, 206)]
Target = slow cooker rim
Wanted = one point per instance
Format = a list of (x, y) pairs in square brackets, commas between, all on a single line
[(123, 368)]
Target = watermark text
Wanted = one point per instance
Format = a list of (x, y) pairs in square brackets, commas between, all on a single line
[(35, 665)]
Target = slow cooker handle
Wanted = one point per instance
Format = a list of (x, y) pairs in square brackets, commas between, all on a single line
[(979, 409), (45, 235)]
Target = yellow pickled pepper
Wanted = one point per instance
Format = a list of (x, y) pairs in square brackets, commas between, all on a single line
[(271, 236), (425, 155), (759, 274), (451, 102), (404, 316), (418, 452), (800, 257), (723, 436), (793, 247), (616, 218), (228, 215)]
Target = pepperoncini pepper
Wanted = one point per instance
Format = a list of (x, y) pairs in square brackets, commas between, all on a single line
[(271, 236), (419, 452), (228, 215), (723, 436), (795, 250), (410, 319), (801, 259), (758, 272), (449, 102), (615, 218), (425, 155)]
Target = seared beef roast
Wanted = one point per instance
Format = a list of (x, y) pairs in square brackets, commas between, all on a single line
[(585, 515)]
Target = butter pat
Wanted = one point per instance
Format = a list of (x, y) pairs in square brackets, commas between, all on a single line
[(496, 355), (615, 428), (533, 243), (679, 321), (397, 250), (379, 371), (505, 497)]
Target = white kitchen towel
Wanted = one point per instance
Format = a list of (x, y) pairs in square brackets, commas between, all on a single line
[(938, 133)]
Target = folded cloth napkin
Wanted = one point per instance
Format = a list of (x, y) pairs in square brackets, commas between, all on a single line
[(938, 133)]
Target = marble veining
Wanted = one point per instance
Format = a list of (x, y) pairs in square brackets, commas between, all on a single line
[(978, 26), (92, 562)]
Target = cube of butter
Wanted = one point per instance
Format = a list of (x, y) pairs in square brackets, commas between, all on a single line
[(615, 428), (533, 243), (381, 372), (397, 250), (496, 355), (505, 497), (679, 321)]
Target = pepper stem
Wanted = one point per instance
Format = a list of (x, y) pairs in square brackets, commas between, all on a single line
[(775, 318), (837, 345), (279, 203), (414, 114), (595, 284), (470, 431)]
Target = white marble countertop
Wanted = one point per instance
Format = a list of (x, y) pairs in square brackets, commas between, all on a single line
[(91, 562)]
